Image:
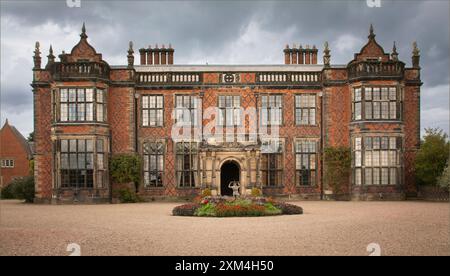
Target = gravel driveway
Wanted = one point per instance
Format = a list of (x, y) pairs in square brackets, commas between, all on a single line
[(326, 228)]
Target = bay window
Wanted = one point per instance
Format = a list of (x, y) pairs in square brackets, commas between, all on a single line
[(76, 163), (376, 160), (376, 103), (82, 105)]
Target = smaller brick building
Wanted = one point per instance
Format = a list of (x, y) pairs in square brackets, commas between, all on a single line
[(15, 154)]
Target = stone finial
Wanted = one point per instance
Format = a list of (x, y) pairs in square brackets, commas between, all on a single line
[(130, 47), (37, 56), (51, 57), (83, 34), (416, 51), (371, 32), (130, 55), (170, 46), (326, 56), (394, 55), (416, 55)]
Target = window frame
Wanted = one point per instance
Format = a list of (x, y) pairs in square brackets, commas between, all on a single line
[(194, 109), (385, 153), (67, 173), (67, 109), (8, 163), (156, 149), (312, 180), (237, 122), (156, 109), (268, 109), (299, 109), (193, 170), (378, 106), (268, 171)]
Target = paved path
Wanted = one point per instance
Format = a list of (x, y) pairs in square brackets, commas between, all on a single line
[(326, 228)]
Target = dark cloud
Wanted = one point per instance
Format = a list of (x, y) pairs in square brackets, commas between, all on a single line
[(218, 31)]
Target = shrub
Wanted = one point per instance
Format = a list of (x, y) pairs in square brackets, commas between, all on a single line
[(20, 188), (206, 210), (7, 192), (256, 192), (234, 210), (185, 209), (432, 156), (271, 210), (126, 168), (338, 169), (127, 196), (289, 209), (25, 189)]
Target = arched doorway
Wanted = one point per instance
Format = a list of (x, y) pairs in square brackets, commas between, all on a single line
[(229, 171)]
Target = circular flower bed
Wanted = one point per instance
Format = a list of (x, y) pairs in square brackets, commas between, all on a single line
[(240, 207)]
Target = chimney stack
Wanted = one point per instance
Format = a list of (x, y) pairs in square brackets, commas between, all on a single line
[(157, 56), (170, 54), (300, 55), (287, 55), (142, 53)]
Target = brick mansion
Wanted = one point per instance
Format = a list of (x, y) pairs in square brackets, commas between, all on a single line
[(203, 126)]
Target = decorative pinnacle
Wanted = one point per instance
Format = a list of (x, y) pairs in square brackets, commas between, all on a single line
[(130, 47), (371, 32), (50, 51), (416, 51), (83, 31), (36, 46), (327, 49), (394, 54)]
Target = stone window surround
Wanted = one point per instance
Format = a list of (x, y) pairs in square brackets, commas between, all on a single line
[(56, 104), (399, 157)]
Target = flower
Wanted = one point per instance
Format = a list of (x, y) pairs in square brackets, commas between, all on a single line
[(205, 201)]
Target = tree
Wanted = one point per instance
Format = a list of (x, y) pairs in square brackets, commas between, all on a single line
[(126, 168), (30, 137), (338, 169), (432, 156)]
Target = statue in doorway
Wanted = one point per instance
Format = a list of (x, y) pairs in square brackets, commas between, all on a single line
[(234, 185)]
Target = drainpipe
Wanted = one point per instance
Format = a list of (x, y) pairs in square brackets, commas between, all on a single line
[(136, 99), (322, 101)]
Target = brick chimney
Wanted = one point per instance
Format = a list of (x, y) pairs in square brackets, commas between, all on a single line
[(300, 55), (157, 56), (287, 55)]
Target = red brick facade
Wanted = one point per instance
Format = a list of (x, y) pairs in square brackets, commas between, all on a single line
[(15, 154), (337, 121)]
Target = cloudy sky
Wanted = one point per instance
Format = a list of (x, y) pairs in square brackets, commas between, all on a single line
[(223, 32)]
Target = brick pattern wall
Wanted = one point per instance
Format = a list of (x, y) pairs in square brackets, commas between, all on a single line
[(335, 91), (11, 148), (43, 145)]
